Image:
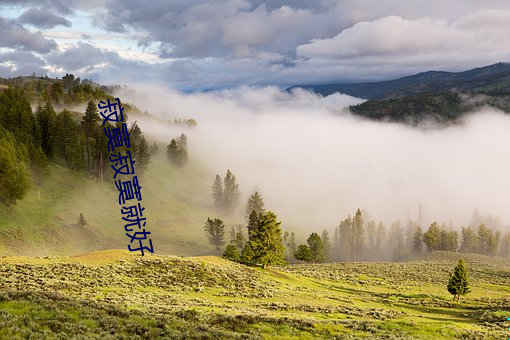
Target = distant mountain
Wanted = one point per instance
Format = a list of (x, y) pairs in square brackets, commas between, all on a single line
[(493, 79), (440, 96)]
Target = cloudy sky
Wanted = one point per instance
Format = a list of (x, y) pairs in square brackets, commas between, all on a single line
[(199, 44)]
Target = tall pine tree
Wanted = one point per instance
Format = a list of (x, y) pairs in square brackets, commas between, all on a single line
[(357, 234), (458, 284), (143, 158), (14, 175), (217, 193), (255, 203), (215, 231), (266, 241), (316, 247), (88, 123), (231, 192)]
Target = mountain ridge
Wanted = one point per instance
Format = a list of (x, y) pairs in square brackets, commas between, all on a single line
[(491, 78)]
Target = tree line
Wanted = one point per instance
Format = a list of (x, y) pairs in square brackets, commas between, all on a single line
[(357, 240), (65, 91), (354, 239)]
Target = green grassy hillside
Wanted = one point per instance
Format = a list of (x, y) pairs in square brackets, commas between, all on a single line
[(116, 294), (177, 204)]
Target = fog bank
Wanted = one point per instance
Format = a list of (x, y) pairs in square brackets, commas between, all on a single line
[(315, 163)]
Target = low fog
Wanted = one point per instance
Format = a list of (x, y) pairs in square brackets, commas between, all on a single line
[(315, 163)]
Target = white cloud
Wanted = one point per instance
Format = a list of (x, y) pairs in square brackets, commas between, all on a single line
[(204, 44), (483, 37), (314, 163)]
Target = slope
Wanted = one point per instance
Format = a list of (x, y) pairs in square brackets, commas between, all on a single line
[(45, 222)]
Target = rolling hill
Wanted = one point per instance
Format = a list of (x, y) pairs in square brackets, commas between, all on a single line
[(112, 294)]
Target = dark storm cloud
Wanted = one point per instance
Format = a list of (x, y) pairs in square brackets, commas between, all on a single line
[(16, 36), (42, 18)]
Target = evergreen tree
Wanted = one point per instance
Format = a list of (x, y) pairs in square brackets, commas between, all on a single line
[(182, 142), (418, 241), (101, 153), (217, 193), (289, 240), (143, 158), (451, 242), (255, 203), (67, 140), (336, 245), (230, 192), (81, 221), (247, 254), (232, 253), (316, 247), (487, 240), (292, 244), (382, 243), (135, 137), (410, 230), (371, 238), (493, 242), (237, 237), (399, 251), (505, 245), (432, 237), (458, 283), (483, 238), (469, 241), (357, 234), (88, 123), (215, 231), (326, 243), (182, 145), (253, 225), (16, 114), (172, 152), (14, 175), (154, 149), (46, 117), (303, 253), (345, 231), (177, 151), (57, 92), (396, 236), (266, 241)]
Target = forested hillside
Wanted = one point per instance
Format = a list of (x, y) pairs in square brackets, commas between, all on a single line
[(443, 97), (76, 140), (57, 189)]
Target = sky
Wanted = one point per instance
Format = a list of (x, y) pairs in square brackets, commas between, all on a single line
[(194, 45), (224, 63)]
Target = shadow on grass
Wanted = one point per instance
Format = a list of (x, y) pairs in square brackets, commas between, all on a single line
[(440, 313), (446, 313)]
